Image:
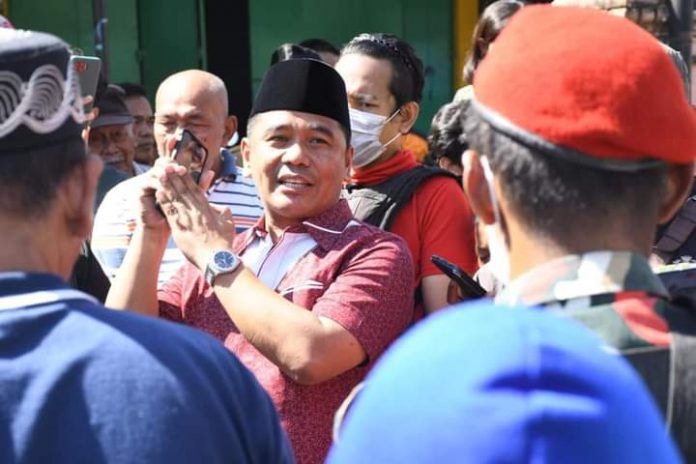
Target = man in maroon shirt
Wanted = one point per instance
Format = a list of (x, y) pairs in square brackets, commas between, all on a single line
[(310, 297)]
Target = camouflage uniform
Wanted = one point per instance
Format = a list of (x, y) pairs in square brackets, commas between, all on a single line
[(617, 295)]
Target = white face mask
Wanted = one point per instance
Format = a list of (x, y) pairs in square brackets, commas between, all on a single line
[(365, 131), (499, 263)]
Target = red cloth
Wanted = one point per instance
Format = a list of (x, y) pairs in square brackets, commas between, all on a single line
[(356, 276), (586, 80), (437, 221)]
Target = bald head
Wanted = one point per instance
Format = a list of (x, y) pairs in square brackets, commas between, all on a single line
[(195, 100), (196, 83)]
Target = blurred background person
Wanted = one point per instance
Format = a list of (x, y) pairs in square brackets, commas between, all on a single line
[(492, 21), (143, 121), (291, 51), (327, 51), (447, 140), (111, 133), (387, 187)]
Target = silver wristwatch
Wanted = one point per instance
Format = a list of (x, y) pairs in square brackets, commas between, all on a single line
[(222, 262)]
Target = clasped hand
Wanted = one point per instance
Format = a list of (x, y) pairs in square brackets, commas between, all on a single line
[(198, 228)]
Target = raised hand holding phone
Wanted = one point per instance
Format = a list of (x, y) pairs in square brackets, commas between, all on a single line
[(190, 153), (87, 69)]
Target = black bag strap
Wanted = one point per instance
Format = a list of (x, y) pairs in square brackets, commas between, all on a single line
[(394, 194), (682, 413), (678, 232)]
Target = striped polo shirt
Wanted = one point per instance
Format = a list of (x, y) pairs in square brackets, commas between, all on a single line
[(116, 217)]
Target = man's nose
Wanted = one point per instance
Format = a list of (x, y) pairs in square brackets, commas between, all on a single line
[(296, 154), (111, 147)]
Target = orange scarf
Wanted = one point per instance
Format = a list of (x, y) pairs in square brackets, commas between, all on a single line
[(402, 161)]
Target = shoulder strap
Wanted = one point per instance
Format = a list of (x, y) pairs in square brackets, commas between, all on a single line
[(678, 232), (378, 204), (683, 408)]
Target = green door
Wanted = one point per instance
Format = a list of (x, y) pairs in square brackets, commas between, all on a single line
[(426, 25), (171, 39)]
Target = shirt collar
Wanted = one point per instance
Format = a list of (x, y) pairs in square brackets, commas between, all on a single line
[(583, 275), (325, 228), (14, 283)]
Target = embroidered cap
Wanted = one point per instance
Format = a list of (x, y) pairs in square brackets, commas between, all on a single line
[(586, 86), (305, 85), (40, 100)]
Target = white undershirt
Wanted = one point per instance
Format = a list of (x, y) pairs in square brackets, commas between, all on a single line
[(269, 262)]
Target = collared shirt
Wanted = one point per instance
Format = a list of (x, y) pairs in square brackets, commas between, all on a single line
[(614, 293), (116, 217), (332, 265), (80, 383), (140, 168), (617, 296)]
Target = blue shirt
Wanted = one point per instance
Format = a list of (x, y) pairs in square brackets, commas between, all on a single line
[(79, 383)]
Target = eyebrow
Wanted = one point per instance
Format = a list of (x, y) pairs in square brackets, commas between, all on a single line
[(194, 114), (313, 127), (322, 129), (367, 97)]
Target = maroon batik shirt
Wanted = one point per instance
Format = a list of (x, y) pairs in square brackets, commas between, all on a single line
[(357, 275)]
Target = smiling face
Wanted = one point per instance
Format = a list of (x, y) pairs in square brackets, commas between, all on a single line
[(115, 145), (298, 162)]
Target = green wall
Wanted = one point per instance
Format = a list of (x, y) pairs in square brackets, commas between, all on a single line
[(69, 19), (123, 40), (426, 25), (170, 37), (72, 21)]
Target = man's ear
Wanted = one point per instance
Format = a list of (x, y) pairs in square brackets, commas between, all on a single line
[(245, 150), (408, 114), (230, 128), (349, 158), (476, 187), (680, 177), (77, 194), (444, 163)]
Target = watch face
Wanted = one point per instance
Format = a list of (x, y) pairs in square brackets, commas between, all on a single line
[(224, 260)]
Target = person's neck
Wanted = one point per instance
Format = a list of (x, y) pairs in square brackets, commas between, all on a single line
[(528, 251), (28, 250)]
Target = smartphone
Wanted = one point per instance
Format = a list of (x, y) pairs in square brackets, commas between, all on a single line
[(190, 152), (87, 69), (469, 287)]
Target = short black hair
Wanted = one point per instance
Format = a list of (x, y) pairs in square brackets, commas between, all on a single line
[(291, 51), (407, 76), (320, 45), (560, 200), (447, 137), (29, 178), (132, 89)]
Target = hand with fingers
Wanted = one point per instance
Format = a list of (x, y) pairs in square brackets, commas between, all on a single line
[(199, 229)]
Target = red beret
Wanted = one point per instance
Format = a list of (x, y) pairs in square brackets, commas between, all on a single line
[(586, 85)]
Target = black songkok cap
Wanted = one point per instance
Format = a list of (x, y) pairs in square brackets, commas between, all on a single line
[(309, 86), (40, 102)]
